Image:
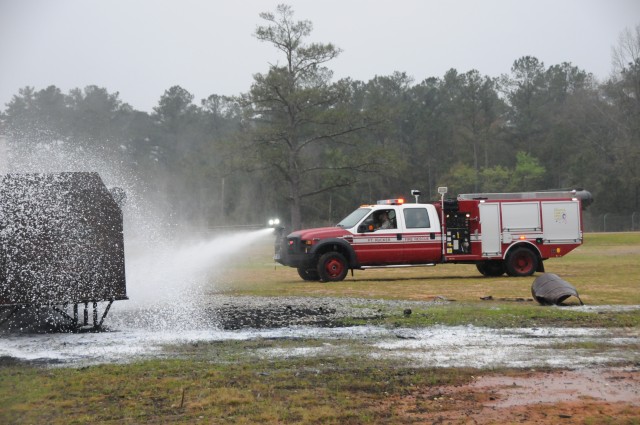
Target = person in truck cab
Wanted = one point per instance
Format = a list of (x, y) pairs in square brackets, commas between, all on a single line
[(385, 222)]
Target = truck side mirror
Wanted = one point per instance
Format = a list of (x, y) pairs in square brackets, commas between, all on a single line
[(365, 228)]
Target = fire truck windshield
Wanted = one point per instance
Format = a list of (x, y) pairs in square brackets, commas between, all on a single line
[(353, 218)]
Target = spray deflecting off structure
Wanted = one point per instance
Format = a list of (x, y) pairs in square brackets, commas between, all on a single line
[(61, 242)]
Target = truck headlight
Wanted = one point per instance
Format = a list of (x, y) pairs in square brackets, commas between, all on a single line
[(274, 222)]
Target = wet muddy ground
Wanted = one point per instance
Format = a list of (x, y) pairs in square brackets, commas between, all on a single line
[(581, 396), (563, 375), (134, 332)]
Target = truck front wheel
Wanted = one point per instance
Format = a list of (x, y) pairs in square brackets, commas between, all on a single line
[(308, 274), (491, 268), (522, 262), (332, 267)]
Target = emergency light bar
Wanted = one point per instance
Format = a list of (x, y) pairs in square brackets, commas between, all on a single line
[(397, 201)]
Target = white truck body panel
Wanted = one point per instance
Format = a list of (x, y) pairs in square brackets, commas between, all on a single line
[(561, 221), (521, 216)]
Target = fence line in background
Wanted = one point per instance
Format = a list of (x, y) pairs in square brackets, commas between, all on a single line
[(612, 222)]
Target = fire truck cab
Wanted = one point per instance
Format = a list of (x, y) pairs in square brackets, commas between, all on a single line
[(509, 233)]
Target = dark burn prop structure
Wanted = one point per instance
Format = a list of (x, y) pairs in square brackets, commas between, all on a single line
[(61, 244)]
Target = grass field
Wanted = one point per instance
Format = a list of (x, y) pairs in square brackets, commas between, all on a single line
[(215, 383), (605, 270)]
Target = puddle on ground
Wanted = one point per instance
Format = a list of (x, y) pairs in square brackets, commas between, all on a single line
[(517, 347), (439, 346), (136, 333)]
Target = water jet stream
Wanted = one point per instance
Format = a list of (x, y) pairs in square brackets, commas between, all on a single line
[(167, 283)]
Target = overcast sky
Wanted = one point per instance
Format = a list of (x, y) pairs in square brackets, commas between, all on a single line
[(140, 48)]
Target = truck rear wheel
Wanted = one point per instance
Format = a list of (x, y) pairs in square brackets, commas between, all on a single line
[(308, 274), (522, 262), (491, 268), (332, 267)]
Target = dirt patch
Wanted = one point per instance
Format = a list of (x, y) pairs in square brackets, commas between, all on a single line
[(233, 317), (607, 395), (615, 385)]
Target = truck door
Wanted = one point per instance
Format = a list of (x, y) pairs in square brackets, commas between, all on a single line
[(379, 245), (490, 228), (421, 242)]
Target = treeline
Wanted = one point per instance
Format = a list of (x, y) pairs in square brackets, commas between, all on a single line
[(308, 149)]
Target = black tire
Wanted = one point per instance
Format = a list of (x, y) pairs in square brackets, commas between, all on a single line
[(308, 274), (522, 262), (491, 268), (332, 267)]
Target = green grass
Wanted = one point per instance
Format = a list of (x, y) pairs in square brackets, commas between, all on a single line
[(605, 270), (187, 391), (502, 315)]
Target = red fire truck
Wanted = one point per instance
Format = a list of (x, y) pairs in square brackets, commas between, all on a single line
[(500, 233)]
